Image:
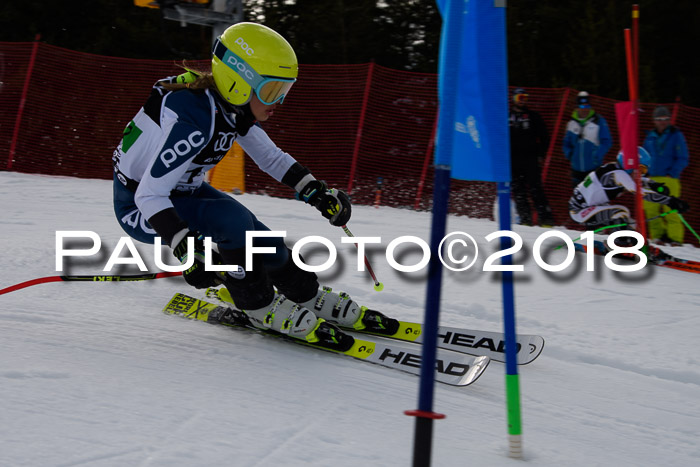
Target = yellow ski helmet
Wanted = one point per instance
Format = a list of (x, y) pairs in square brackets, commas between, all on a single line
[(250, 57)]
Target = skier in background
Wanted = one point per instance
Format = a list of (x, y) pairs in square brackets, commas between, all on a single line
[(591, 206), (183, 130)]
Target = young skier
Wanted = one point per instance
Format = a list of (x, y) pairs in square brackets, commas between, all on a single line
[(591, 205), (184, 129)]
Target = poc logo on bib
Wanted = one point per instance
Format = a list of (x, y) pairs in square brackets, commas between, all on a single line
[(182, 147), (245, 46)]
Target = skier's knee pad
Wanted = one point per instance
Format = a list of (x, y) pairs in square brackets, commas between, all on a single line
[(295, 283)]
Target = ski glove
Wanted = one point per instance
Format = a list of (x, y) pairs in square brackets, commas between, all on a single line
[(658, 187), (196, 275), (678, 204), (333, 204)]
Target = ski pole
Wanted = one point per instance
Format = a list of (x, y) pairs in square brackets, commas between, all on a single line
[(687, 225), (663, 214), (595, 231), (622, 225), (96, 278), (378, 286)]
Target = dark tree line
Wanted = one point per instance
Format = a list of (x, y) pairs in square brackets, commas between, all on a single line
[(576, 43)]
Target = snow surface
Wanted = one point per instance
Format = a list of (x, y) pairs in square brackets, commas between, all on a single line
[(93, 374)]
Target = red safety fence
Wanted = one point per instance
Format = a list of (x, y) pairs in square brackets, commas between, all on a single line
[(358, 127)]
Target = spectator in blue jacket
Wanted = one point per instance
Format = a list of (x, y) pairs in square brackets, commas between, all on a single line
[(587, 139), (669, 156)]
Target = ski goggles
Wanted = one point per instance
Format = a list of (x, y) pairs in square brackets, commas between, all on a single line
[(643, 169), (269, 89), (520, 98), (583, 102)]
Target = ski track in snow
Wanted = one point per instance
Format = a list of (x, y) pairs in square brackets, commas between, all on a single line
[(92, 374)]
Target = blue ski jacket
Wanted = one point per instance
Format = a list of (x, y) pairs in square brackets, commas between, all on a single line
[(586, 142), (668, 151)]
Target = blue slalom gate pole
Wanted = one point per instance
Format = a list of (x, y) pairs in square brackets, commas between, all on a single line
[(472, 143), (448, 78), (512, 379), (423, 433)]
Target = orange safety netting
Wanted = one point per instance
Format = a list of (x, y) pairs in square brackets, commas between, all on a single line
[(359, 127)]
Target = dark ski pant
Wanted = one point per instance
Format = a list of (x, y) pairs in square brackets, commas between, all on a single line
[(526, 186), (207, 210)]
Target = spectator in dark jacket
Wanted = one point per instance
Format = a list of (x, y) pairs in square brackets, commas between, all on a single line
[(587, 139), (528, 145)]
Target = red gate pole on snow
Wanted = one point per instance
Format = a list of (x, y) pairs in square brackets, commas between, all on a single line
[(22, 100), (87, 278), (360, 125)]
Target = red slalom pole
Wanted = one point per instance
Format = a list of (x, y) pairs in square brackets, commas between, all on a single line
[(633, 83), (635, 44), (629, 55)]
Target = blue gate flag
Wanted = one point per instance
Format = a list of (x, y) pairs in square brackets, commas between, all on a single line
[(473, 135)]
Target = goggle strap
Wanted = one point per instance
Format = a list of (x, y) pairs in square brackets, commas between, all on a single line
[(223, 53), (219, 49)]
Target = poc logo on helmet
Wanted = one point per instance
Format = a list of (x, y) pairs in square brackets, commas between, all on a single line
[(240, 67), (245, 46)]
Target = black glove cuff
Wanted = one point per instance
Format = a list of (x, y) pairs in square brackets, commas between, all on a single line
[(296, 174), (167, 223), (312, 191)]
